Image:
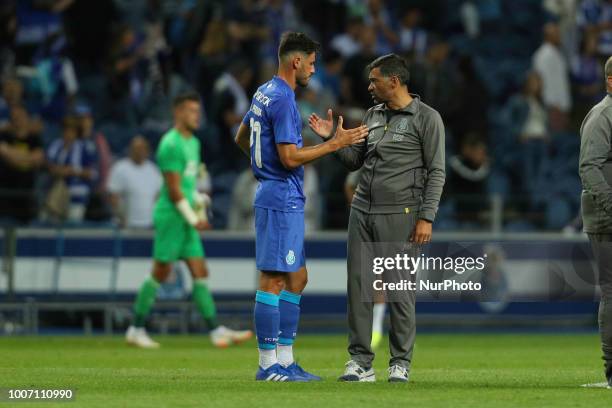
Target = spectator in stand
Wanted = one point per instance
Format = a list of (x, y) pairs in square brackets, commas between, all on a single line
[(133, 185), (8, 31), (468, 175), (36, 21), (466, 118), (21, 156), (98, 207), (379, 18), (126, 69), (160, 89), (56, 80), (72, 163), (96, 142), (528, 123), (354, 78), (328, 73), (12, 97), (595, 16), (246, 25), (412, 37), (550, 63), (435, 79), (229, 104), (586, 74), (348, 42)]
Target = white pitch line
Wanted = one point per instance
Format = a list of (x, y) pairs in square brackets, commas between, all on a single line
[(596, 385)]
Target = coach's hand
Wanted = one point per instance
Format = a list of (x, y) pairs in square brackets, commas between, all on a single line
[(421, 233), (347, 137), (322, 127)]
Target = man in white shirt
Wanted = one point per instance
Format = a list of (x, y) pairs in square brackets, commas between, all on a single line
[(550, 63), (134, 183)]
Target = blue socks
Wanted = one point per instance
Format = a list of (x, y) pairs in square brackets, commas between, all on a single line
[(289, 307), (276, 322), (289, 318), (267, 320)]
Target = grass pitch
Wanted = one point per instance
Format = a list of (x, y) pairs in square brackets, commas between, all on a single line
[(448, 370)]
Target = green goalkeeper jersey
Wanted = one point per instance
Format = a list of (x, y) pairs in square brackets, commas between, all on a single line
[(181, 155)]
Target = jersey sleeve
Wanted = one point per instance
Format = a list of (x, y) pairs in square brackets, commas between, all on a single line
[(169, 158), (283, 121)]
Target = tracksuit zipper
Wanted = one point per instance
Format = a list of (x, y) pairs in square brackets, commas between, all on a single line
[(376, 161)]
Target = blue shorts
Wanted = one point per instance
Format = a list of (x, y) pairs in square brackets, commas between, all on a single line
[(279, 240)]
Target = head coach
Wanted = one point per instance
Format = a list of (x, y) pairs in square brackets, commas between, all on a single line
[(396, 200), (595, 170)]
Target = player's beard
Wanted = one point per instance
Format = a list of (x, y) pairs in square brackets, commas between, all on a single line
[(303, 82)]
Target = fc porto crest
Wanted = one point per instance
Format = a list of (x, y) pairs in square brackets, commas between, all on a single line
[(290, 258), (402, 126)]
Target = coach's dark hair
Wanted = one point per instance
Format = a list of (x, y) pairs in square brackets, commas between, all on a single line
[(292, 41), (192, 96), (392, 65)]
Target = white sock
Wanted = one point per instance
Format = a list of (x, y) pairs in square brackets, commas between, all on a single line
[(285, 354), (379, 317), (267, 358)]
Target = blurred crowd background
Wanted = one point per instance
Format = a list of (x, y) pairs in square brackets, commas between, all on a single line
[(87, 88)]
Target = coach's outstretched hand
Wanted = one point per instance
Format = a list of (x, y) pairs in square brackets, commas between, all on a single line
[(344, 137), (347, 137)]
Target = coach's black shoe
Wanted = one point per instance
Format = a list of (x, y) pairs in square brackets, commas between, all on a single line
[(353, 372)]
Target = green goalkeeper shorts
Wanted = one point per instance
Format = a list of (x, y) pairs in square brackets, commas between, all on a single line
[(174, 238)]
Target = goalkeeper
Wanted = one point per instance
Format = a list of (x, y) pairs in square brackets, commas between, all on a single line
[(180, 212)]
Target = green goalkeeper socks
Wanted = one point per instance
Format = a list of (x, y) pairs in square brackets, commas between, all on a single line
[(205, 303), (144, 301)]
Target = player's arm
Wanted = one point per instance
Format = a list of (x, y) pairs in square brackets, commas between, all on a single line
[(292, 157), (352, 157), (242, 139)]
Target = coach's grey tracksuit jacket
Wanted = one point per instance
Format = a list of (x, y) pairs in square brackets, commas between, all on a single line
[(402, 176), (595, 170)]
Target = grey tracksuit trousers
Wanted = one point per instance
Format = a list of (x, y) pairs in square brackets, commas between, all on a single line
[(602, 249), (378, 228)]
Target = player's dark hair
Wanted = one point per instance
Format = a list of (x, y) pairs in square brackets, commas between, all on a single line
[(191, 96), (292, 42), (392, 65)]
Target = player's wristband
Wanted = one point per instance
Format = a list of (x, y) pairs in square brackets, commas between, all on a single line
[(187, 212)]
